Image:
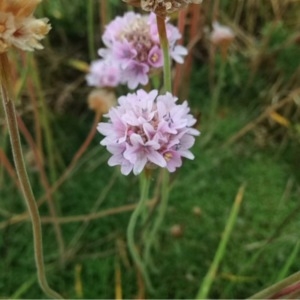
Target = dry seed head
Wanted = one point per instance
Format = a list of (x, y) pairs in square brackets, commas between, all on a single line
[(18, 27), (162, 7), (101, 100), (177, 231)]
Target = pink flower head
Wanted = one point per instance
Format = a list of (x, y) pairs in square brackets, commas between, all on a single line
[(132, 43), (221, 34), (104, 73), (147, 130)]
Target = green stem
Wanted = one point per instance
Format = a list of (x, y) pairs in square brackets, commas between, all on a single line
[(208, 279), (289, 262), (161, 26), (161, 214), (277, 287), (145, 183), (10, 115), (214, 104), (45, 120), (216, 93), (104, 14)]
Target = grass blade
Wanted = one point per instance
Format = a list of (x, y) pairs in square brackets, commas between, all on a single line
[(208, 279)]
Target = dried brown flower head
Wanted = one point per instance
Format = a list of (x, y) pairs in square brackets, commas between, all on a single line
[(177, 231), (101, 100), (18, 27), (162, 7)]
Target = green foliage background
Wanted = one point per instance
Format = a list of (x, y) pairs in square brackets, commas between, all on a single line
[(266, 158)]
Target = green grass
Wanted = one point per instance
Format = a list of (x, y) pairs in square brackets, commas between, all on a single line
[(266, 232), (209, 182)]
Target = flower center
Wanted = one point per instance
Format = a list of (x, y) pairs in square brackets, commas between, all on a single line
[(168, 156), (154, 58), (137, 130), (137, 33)]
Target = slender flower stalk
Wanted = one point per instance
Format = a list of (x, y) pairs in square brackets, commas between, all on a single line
[(215, 98), (10, 115), (161, 26), (45, 120), (21, 30), (216, 93), (160, 217), (47, 187), (42, 120), (104, 13), (36, 117), (145, 183), (181, 23), (273, 290), (221, 37)]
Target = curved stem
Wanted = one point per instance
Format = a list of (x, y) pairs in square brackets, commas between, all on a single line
[(161, 214), (10, 114), (278, 287), (161, 26), (24, 216), (216, 92), (45, 120), (46, 185), (145, 183), (214, 104)]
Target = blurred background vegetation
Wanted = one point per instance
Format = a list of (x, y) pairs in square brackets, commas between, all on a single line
[(255, 140)]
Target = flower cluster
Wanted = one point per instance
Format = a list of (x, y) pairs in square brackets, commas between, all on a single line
[(147, 130), (162, 7), (18, 27), (132, 51)]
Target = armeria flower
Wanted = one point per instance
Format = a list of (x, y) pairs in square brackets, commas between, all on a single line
[(18, 27), (221, 34), (222, 37), (146, 130), (132, 51), (162, 7)]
